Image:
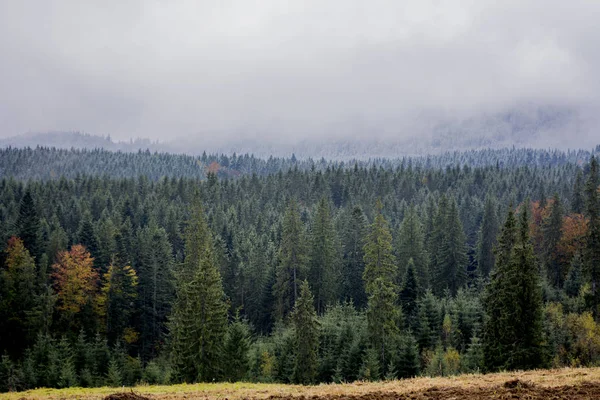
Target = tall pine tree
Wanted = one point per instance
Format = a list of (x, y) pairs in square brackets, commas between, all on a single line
[(380, 273), (513, 301), (324, 255), (199, 317), (411, 245), (592, 248), (487, 238), (292, 262), (306, 337)]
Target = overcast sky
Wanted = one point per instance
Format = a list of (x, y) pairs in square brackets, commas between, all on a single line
[(164, 69)]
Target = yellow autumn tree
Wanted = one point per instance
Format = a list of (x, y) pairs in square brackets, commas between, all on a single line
[(75, 279)]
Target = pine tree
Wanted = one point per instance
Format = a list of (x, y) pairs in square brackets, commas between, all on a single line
[(383, 315), (354, 264), (592, 247), (116, 300), (552, 232), (292, 262), (306, 337), (199, 317), (379, 260), (577, 201), (409, 295), (487, 238), (154, 265), (86, 235), (323, 266), (18, 298), (411, 245), (235, 350), (513, 302), (452, 260), (28, 225), (114, 376)]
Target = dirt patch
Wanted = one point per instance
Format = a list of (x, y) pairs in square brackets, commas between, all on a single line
[(514, 389), (126, 396)]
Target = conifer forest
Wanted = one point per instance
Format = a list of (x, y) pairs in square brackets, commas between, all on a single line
[(122, 268)]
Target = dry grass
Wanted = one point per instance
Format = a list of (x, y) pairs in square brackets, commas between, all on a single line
[(237, 391)]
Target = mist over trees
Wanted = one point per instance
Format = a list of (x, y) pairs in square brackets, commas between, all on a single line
[(119, 268)]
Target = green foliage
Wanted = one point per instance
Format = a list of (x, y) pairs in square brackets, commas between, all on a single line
[(487, 238), (592, 247), (411, 247), (513, 330), (235, 350), (199, 318), (324, 255), (263, 238), (293, 262), (306, 337)]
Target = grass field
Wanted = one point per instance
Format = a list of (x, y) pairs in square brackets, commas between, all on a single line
[(581, 383)]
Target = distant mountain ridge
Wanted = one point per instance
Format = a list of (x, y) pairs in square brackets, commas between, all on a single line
[(533, 127)]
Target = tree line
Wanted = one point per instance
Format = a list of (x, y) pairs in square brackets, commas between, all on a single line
[(305, 275)]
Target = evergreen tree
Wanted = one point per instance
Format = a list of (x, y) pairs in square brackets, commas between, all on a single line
[(592, 248), (236, 348), (487, 238), (451, 269), (552, 233), (28, 225), (323, 271), (306, 339), (155, 291), (411, 245), (513, 328), (380, 272), (18, 300), (409, 295), (86, 235), (292, 262), (354, 264), (116, 301), (577, 200), (199, 317)]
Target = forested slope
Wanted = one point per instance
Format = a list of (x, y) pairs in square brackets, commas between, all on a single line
[(314, 271)]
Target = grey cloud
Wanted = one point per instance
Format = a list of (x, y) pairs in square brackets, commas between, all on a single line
[(284, 70)]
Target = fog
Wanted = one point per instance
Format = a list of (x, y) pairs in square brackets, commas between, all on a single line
[(280, 71)]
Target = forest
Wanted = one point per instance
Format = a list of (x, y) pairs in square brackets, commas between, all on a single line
[(126, 268)]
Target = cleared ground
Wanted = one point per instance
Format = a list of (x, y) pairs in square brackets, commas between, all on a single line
[(581, 383)]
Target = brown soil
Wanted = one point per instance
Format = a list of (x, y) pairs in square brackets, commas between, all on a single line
[(125, 396), (513, 389)]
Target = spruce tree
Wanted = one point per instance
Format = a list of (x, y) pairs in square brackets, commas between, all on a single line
[(409, 295), (552, 232), (292, 262), (487, 238), (19, 296), (323, 268), (411, 245), (592, 247), (28, 225), (306, 337), (577, 200), (199, 317), (512, 337), (380, 272), (452, 260), (354, 264), (235, 350)]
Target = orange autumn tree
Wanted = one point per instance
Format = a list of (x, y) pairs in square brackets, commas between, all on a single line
[(575, 227), (75, 279)]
